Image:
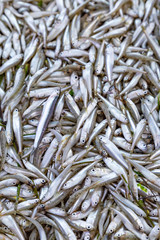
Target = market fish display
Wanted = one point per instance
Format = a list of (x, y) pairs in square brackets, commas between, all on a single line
[(79, 119)]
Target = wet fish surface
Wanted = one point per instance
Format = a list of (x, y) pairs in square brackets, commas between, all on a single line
[(79, 119)]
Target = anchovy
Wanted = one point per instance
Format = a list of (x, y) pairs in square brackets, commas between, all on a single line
[(79, 119)]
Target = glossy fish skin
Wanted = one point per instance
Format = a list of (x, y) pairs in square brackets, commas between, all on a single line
[(45, 117), (113, 151), (91, 105), (149, 175), (79, 119), (87, 76), (100, 59), (10, 222), (139, 130), (55, 184), (78, 177), (114, 111), (18, 84), (57, 29), (2, 147), (37, 61), (152, 125), (17, 128), (109, 55), (65, 228), (72, 105), (11, 63)]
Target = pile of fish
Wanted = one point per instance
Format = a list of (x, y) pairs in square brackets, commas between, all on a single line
[(79, 119)]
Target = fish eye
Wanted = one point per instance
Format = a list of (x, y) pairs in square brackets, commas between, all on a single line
[(75, 189), (93, 170), (14, 183), (76, 77), (95, 202), (111, 230), (74, 214), (43, 181), (158, 229), (88, 227)]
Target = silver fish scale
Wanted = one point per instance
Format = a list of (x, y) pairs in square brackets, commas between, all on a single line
[(79, 119)]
